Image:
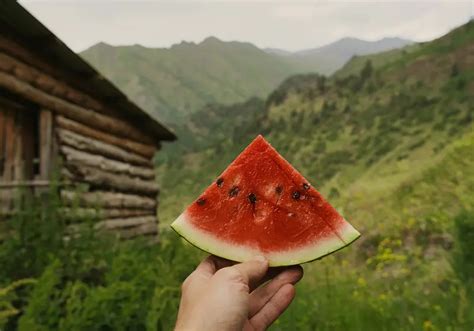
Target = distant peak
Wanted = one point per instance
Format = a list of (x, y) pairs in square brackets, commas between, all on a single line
[(277, 51), (397, 39), (211, 40), (183, 44), (101, 44), (349, 39)]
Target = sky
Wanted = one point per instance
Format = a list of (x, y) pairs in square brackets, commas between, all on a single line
[(289, 25)]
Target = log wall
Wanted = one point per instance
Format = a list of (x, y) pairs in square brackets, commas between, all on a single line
[(121, 190), (109, 159)]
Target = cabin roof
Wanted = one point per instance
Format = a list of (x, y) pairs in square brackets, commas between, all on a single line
[(23, 27)]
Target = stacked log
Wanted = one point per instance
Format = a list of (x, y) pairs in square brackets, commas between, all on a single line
[(80, 158), (144, 150), (79, 214), (107, 157), (83, 115), (108, 200), (94, 146), (124, 228), (121, 183)]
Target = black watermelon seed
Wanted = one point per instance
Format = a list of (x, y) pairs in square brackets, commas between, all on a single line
[(252, 198), (201, 201), (279, 189), (296, 195), (220, 182), (234, 191), (306, 186)]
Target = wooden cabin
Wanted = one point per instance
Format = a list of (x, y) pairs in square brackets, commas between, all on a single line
[(61, 119)]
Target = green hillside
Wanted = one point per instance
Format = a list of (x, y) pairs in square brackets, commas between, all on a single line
[(356, 63), (329, 58), (392, 120), (177, 81), (389, 140)]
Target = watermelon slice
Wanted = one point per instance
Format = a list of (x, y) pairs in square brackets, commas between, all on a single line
[(260, 205)]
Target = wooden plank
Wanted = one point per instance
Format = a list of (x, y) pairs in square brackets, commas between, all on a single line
[(72, 111), (18, 166), (80, 214), (49, 84), (105, 180), (142, 149), (79, 158), (106, 199), (2, 140), (43, 74), (124, 228), (9, 145), (46, 144), (24, 183), (122, 223), (146, 229), (94, 146), (6, 198), (29, 132)]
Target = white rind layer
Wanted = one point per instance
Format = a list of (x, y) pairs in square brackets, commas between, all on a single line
[(235, 252)]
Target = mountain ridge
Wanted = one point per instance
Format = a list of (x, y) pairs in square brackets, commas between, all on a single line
[(175, 82), (385, 43), (398, 41), (392, 117)]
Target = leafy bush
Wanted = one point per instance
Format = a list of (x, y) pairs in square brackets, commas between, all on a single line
[(9, 297), (463, 257), (140, 291), (89, 280)]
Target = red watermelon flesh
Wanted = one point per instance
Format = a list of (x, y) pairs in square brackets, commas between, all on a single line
[(261, 205)]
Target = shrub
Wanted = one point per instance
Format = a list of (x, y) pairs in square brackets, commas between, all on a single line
[(91, 281), (463, 257), (366, 71), (454, 70), (11, 297)]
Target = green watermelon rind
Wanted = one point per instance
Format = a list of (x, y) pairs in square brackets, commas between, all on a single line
[(240, 253)]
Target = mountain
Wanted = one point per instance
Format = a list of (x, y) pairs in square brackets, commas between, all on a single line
[(360, 137), (349, 47), (329, 58), (277, 51), (357, 62), (389, 141), (177, 81)]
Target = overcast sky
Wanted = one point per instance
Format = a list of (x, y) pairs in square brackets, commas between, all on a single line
[(290, 25)]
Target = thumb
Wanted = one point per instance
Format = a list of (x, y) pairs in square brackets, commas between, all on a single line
[(253, 271)]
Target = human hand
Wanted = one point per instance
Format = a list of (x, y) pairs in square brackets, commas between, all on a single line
[(223, 296)]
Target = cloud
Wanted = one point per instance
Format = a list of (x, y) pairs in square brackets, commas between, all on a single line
[(267, 23), (298, 12)]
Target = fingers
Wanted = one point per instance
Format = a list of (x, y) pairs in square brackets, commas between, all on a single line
[(262, 295), (273, 308), (272, 272), (253, 271), (206, 267), (275, 271), (211, 264), (221, 262)]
